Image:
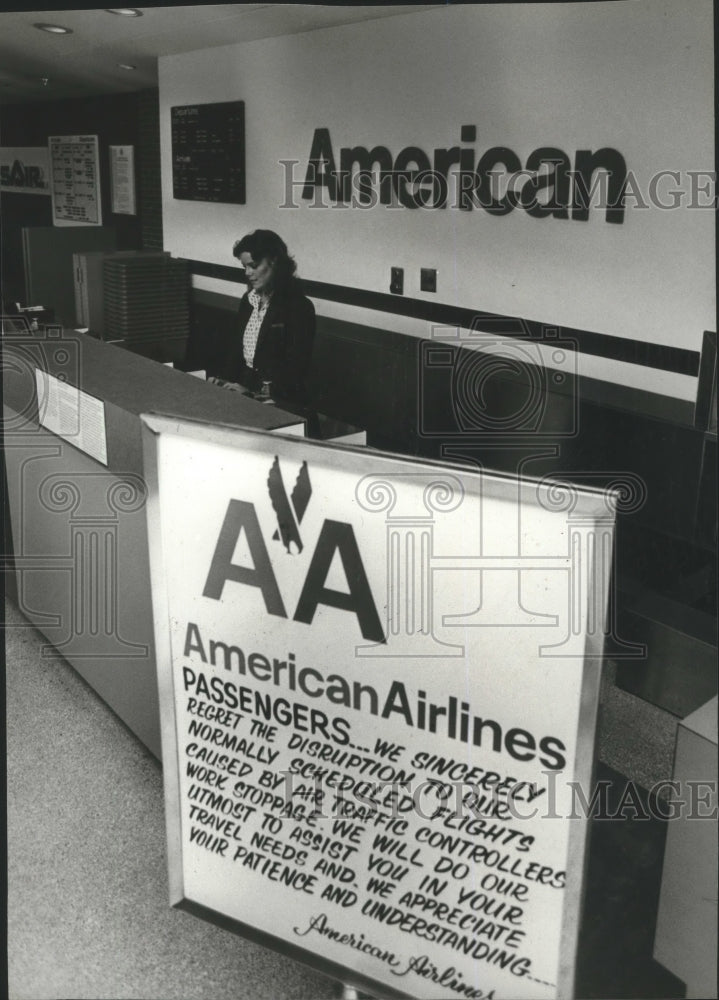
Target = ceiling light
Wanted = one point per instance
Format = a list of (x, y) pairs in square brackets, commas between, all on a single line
[(54, 29), (126, 66), (124, 11)]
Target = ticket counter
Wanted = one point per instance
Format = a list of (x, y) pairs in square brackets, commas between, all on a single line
[(77, 497), (79, 536)]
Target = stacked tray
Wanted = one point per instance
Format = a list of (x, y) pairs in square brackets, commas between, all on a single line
[(146, 298)]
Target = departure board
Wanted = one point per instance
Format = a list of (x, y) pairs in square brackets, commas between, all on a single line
[(208, 152)]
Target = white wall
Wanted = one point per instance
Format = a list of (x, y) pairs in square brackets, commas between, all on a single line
[(635, 75)]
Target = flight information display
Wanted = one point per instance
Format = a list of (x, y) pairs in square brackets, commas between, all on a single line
[(208, 152)]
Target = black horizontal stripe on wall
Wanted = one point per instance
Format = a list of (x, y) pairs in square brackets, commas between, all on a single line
[(678, 360)]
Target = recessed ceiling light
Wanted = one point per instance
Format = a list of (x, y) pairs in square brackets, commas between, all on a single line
[(124, 11), (126, 66), (54, 29)]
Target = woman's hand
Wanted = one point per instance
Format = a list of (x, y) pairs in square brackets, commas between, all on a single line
[(234, 386)]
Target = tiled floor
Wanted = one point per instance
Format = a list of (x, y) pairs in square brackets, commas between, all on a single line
[(88, 911), (87, 907)]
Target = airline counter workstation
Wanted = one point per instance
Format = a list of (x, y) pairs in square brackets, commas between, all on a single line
[(661, 634), (82, 557), (77, 509)]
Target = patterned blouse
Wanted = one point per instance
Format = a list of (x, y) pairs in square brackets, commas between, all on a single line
[(252, 330)]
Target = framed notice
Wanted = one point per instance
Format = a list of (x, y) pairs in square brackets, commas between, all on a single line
[(122, 180), (208, 152), (378, 687), (75, 180)]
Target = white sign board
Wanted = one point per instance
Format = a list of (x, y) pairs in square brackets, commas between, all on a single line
[(122, 180), (75, 175), (25, 170), (378, 679)]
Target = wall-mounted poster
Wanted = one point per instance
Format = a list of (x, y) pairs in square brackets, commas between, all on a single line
[(208, 152), (24, 170), (378, 683), (75, 177), (122, 180)]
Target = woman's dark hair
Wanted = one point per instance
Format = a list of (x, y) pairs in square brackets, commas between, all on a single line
[(263, 244)]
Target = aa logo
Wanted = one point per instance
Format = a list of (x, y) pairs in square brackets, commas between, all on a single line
[(289, 512), (336, 543)]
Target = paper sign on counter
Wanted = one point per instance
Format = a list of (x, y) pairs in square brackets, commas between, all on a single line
[(72, 414)]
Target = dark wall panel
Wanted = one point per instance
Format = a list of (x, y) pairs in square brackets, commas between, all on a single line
[(117, 119), (147, 167), (16, 211)]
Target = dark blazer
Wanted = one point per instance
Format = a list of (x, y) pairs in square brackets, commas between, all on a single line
[(284, 345)]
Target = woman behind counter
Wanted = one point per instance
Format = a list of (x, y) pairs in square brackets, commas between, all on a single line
[(276, 322)]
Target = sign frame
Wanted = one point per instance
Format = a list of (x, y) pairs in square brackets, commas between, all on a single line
[(122, 180), (190, 162), (86, 146), (587, 503)]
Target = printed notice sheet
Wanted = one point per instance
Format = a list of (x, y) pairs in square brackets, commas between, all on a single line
[(122, 180), (72, 414), (75, 177)]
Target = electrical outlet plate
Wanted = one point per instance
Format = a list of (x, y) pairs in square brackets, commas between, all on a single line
[(428, 279)]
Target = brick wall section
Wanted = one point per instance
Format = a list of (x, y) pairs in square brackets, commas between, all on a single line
[(149, 191)]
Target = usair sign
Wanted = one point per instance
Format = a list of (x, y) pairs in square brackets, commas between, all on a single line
[(25, 170), (378, 682)]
